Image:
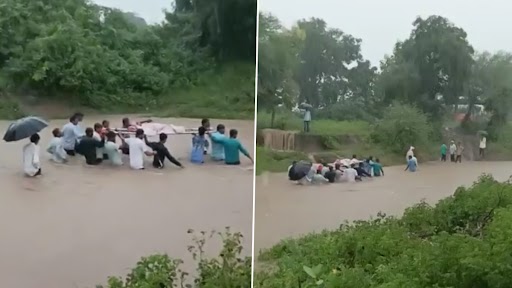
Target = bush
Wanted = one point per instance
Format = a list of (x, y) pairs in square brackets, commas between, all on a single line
[(229, 270), (463, 241), (401, 127)]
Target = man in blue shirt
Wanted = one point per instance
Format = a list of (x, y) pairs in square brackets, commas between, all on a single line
[(411, 164), (70, 135), (232, 149), (217, 138)]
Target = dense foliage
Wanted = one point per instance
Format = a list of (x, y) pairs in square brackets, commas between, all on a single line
[(463, 241), (99, 56), (434, 69), (229, 270), (402, 126)]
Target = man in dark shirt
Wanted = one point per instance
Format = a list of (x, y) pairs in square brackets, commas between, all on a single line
[(88, 145), (361, 172), (161, 152), (330, 175)]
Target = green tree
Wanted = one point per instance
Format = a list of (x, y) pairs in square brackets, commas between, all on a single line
[(99, 56), (430, 68), (402, 126), (278, 49), (324, 60)]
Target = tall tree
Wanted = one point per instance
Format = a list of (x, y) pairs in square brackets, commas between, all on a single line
[(434, 62), (278, 49)]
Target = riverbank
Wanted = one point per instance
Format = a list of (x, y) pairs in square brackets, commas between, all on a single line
[(288, 246), (330, 140), (223, 93)]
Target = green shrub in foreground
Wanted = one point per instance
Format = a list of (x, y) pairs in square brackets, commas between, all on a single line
[(229, 270), (463, 241)]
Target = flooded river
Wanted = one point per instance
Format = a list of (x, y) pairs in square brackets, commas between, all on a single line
[(284, 209), (77, 225)]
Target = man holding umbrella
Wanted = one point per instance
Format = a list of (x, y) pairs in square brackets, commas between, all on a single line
[(307, 115), (24, 128), (31, 162)]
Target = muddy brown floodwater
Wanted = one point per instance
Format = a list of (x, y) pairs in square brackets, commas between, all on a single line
[(284, 209), (77, 225)]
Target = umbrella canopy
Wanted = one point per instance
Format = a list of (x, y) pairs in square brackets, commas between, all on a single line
[(306, 106), (24, 128), (482, 132), (299, 170)]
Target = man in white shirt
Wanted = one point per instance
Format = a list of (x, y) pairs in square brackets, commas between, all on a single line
[(349, 174), (483, 145), (98, 130), (31, 162), (137, 150), (453, 149), (55, 147)]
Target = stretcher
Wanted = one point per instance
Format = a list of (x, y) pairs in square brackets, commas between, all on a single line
[(154, 129)]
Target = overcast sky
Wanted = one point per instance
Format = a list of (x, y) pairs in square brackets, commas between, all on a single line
[(380, 23), (150, 10)]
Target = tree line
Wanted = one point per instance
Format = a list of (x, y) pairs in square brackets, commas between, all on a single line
[(99, 55), (435, 69)]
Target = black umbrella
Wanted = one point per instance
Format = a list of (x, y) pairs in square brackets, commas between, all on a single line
[(24, 128), (299, 170)]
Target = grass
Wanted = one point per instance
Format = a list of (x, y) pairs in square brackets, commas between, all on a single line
[(275, 161), (227, 93), (293, 122)]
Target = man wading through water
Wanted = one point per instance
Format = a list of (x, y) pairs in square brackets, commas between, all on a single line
[(161, 152)]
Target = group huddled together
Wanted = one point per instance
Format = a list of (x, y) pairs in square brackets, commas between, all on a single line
[(343, 170), (456, 150), (98, 145)]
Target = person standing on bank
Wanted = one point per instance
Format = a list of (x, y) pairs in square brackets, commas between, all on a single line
[(453, 149), (460, 149), (307, 118)]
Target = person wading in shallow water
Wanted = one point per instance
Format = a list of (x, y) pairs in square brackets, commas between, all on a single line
[(233, 148), (137, 149), (70, 135), (161, 152), (88, 146), (31, 163)]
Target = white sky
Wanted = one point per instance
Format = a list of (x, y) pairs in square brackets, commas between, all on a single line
[(150, 10), (380, 23)]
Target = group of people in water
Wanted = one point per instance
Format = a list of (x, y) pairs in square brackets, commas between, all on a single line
[(98, 145), (345, 170)]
